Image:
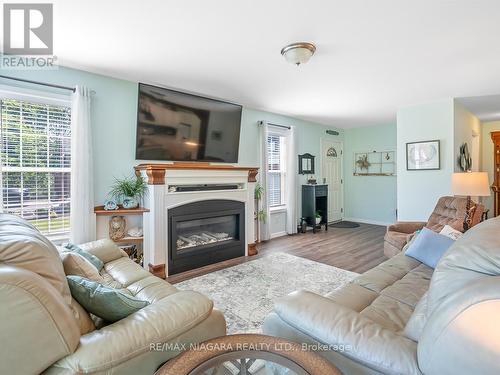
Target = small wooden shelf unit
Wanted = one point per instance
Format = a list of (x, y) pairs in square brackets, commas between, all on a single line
[(99, 210)]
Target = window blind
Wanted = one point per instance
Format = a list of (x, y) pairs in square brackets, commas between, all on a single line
[(36, 163), (275, 170)]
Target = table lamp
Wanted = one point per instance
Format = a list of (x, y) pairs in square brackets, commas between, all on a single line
[(470, 184)]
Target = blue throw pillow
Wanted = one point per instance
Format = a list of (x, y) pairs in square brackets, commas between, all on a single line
[(428, 247), (95, 261), (107, 303)]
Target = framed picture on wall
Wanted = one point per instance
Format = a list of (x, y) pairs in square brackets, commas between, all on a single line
[(423, 155)]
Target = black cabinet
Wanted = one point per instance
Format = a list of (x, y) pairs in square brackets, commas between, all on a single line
[(315, 199)]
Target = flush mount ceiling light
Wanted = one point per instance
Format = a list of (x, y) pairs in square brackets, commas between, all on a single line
[(298, 53)]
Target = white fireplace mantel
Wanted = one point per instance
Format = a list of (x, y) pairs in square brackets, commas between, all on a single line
[(162, 180)]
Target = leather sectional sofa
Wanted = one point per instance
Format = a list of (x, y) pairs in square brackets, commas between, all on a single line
[(43, 329), (403, 317)]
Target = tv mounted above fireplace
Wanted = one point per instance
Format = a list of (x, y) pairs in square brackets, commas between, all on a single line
[(176, 126)]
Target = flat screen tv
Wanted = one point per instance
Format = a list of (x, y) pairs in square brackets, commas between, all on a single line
[(176, 126)]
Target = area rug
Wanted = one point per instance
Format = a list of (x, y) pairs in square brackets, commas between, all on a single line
[(246, 293), (344, 224)]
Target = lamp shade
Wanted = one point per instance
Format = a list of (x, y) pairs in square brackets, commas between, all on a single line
[(472, 184)]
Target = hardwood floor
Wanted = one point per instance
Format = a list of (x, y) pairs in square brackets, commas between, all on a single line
[(356, 249)]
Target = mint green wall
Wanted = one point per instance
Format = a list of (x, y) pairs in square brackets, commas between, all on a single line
[(114, 124), (369, 198), (418, 191)]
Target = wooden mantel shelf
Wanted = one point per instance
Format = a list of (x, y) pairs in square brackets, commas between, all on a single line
[(156, 172), (99, 210)]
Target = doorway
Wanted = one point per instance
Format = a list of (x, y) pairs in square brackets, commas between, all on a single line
[(331, 159)]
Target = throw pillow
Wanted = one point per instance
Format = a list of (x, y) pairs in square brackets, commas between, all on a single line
[(91, 258), (75, 264), (415, 325), (107, 303), (451, 232), (429, 247)]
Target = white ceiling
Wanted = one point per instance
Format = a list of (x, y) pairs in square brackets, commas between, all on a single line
[(486, 108), (373, 56)]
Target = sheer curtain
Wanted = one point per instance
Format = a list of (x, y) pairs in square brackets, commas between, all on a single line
[(291, 181), (82, 217), (265, 227)]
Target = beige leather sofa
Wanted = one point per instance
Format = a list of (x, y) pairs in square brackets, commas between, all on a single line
[(42, 329), (373, 325), (448, 211)]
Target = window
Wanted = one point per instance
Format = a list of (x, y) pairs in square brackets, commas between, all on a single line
[(36, 163), (276, 170)]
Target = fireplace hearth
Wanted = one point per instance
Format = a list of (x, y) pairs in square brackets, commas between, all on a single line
[(205, 232)]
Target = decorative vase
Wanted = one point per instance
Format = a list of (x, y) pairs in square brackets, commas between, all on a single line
[(130, 202), (110, 205), (318, 220)]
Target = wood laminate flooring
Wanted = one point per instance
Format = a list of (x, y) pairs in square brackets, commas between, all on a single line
[(353, 249)]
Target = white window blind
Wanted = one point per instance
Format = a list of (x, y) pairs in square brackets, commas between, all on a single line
[(276, 172), (36, 163)]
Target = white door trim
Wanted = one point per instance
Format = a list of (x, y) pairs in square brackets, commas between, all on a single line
[(342, 214)]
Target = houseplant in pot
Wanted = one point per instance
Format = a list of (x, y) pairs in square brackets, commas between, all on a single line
[(260, 214), (318, 217), (130, 190)]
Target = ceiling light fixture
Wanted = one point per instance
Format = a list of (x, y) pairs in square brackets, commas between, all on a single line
[(298, 53)]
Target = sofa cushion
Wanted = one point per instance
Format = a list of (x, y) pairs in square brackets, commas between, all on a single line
[(411, 287), (85, 322), (448, 211), (95, 261), (397, 239), (388, 312), (109, 281), (472, 257), (353, 296), (23, 246), (75, 264), (416, 323), (105, 249), (125, 271), (151, 289), (429, 247), (387, 273), (107, 303)]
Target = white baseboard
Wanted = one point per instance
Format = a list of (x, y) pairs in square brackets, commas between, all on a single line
[(366, 221), (278, 234)]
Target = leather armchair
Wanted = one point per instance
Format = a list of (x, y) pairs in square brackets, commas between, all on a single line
[(44, 330), (448, 211)]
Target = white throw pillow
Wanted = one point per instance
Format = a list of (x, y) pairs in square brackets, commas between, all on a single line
[(451, 232)]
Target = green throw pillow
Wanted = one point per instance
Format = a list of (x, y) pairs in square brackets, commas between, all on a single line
[(106, 303), (96, 262)]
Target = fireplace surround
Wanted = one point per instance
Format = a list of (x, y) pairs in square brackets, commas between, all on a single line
[(223, 195)]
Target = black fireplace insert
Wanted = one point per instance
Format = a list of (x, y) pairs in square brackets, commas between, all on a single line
[(205, 232)]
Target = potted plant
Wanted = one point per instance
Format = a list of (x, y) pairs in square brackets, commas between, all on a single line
[(318, 217), (130, 190), (260, 215)]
